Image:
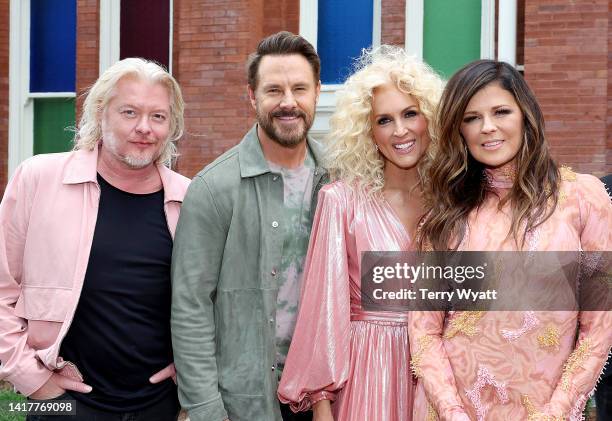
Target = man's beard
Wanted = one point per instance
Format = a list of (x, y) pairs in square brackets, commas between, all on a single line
[(134, 162), (280, 134)]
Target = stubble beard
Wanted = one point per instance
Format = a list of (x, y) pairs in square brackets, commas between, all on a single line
[(279, 134), (134, 162)]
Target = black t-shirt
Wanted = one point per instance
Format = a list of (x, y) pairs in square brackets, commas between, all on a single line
[(120, 334)]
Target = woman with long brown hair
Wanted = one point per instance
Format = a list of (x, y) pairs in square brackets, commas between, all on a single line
[(494, 187)]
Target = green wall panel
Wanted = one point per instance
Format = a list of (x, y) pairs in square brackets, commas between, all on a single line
[(451, 34), (52, 116)]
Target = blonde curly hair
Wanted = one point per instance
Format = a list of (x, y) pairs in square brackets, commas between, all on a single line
[(352, 155), (89, 130)]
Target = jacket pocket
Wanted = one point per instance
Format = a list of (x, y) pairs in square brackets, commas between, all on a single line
[(240, 342), (43, 303)]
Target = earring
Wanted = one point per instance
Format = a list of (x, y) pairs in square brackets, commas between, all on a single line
[(376, 147)]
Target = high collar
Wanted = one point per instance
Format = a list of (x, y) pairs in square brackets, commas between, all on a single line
[(83, 168), (502, 177), (253, 161)]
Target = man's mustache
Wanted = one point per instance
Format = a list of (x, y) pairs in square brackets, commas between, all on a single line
[(289, 114)]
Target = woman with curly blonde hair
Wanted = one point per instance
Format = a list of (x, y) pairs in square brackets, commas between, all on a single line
[(340, 352)]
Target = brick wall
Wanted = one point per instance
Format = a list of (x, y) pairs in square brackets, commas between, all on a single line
[(393, 22), (212, 40), (566, 63), (87, 48), (4, 92), (609, 90)]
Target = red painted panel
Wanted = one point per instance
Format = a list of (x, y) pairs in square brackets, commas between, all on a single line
[(145, 30)]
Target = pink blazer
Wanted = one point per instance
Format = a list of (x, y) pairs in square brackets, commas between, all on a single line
[(47, 220)]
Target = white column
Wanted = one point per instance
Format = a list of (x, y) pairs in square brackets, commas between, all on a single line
[(377, 23), (487, 29), (21, 107), (309, 17), (110, 30), (506, 34), (415, 10)]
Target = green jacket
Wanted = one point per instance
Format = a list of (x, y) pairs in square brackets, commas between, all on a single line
[(227, 247)]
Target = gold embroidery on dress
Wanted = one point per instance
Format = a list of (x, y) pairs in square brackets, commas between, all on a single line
[(533, 414), (431, 413), (417, 357), (465, 323), (575, 360), (509, 171), (549, 339), (567, 174)]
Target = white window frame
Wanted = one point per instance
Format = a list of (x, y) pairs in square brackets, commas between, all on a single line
[(21, 100), (309, 20), (110, 34), (415, 12)]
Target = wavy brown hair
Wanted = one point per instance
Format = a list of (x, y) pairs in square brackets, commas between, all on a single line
[(456, 180)]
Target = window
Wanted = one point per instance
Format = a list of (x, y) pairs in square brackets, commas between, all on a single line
[(41, 77), (133, 28), (448, 35), (338, 29)]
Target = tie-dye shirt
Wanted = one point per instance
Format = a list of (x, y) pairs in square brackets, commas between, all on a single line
[(297, 184)]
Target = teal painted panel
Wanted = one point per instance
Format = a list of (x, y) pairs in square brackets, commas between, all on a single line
[(451, 34), (52, 116)]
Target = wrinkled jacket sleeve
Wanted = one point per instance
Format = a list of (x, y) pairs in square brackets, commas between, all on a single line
[(586, 362), (19, 363), (196, 258), (431, 366), (318, 361)]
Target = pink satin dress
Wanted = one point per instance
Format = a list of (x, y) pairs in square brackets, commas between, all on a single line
[(521, 365), (358, 359)]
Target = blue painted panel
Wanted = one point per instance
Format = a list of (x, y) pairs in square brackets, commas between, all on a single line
[(52, 45), (345, 27)]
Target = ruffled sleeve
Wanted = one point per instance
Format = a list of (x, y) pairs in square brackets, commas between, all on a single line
[(317, 365), (585, 363)]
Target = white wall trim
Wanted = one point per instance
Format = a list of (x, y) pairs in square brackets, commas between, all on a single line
[(413, 42), (309, 20), (325, 108), (51, 95), (377, 23), (21, 136), (506, 33), (487, 29), (110, 31)]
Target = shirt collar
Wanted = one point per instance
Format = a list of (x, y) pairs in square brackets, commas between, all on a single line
[(83, 168), (252, 160)]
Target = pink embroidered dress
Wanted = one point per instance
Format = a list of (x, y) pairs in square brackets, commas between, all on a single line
[(356, 358), (522, 365)]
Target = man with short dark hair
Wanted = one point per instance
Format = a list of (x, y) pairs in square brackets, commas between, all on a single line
[(241, 243), (85, 254)]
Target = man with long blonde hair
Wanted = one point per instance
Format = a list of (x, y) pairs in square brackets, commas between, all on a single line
[(85, 251)]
